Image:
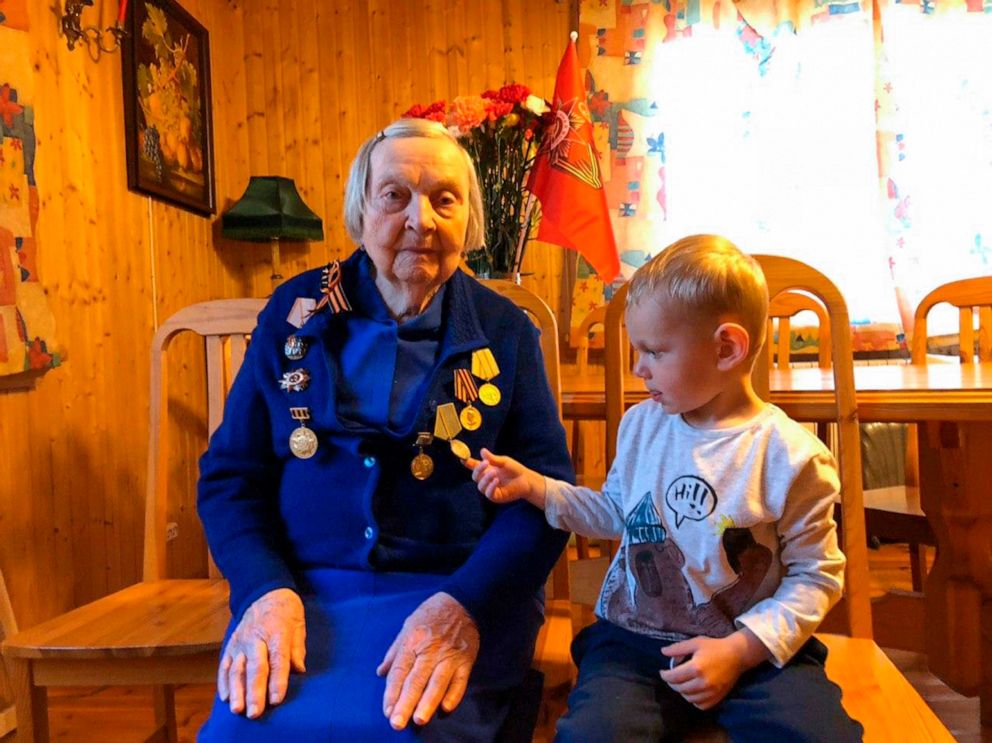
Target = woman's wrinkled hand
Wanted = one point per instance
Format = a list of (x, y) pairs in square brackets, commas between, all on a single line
[(429, 662), (269, 641)]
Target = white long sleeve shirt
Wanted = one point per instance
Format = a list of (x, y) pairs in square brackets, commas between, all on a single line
[(720, 528)]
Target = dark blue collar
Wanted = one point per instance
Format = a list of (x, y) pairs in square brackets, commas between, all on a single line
[(461, 329)]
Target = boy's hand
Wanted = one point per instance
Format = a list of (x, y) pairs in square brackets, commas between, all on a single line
[(504, 479), (706, 677)]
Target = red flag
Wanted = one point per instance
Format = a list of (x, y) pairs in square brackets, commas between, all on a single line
[(566, 176)]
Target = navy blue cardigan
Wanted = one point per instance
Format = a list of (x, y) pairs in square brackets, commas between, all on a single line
[(355, 504)]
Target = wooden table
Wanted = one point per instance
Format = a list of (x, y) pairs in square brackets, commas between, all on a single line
[(953, 404)]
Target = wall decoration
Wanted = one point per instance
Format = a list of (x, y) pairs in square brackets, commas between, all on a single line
[(27, 328), (167, 118)]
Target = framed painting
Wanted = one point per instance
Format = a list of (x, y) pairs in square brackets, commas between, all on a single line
[(167, 117)]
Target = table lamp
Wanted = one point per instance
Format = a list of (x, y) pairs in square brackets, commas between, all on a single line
[(271, 210)]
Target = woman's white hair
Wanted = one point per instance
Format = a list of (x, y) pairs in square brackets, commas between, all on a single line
[(357, 189)]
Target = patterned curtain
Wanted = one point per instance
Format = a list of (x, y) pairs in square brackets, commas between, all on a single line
[(839, 133)]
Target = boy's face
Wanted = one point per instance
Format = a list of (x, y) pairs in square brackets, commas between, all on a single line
[(676, 355)]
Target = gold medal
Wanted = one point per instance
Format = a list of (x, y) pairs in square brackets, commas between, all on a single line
[(490, 394), (467, 391), (302, 441), (446, 426), (422, 466), (446, 423), (460, 449), (484, 366), (471, 418)]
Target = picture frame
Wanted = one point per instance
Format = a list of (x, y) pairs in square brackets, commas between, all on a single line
[(168, 122)]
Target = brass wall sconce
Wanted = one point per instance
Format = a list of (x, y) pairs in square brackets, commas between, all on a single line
[(72, 28)]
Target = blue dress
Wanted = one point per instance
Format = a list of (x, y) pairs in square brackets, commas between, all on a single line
[(351, 529)]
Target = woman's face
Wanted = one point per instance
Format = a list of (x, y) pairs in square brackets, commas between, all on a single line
[(416, 212)]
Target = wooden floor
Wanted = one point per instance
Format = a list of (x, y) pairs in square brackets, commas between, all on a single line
[(109, 715)]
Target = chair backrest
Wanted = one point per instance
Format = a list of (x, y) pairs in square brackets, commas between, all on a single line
[(8, 628), (224, 326), (580, 337), (783, 275), (967, 295), (781, 310), (542, 316)]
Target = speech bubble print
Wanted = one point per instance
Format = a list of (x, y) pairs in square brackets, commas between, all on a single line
[(690, 497)]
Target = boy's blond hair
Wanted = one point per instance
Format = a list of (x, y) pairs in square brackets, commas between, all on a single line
[(708, 276)]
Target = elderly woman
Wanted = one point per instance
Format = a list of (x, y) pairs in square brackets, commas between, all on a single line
[(375, 593)]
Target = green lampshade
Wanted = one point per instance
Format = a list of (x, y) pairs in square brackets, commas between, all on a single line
[(271, 207)]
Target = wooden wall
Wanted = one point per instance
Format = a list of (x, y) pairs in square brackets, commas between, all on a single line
[(297, 85)]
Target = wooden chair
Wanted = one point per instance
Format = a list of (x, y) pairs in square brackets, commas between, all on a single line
[(8, 628), (968, 295), (159, 632), (874, 692), (781, 310), (584, 338), (894, 513), (553, 652), (892, 510)]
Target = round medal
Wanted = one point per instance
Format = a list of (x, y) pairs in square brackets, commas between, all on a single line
[(471, 419), (422, 466), (303, 442), (460, 449), (489, 394)]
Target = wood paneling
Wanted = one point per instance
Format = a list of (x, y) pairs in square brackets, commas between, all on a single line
[(297, 85)]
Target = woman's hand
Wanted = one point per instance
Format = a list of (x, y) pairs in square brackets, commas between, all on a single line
[(269, 640), (504, 479), (713, 667), (429, 662)]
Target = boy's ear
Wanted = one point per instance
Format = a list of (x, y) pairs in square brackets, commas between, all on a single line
[(733, 343)]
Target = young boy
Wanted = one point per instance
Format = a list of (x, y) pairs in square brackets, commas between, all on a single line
[(729, 556)]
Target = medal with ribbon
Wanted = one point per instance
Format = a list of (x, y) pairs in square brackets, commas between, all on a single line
[(467, 391), (422, 465), (484, 366), (302, 441), (447, 426)]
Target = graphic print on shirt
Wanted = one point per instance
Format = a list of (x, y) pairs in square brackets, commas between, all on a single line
[(690, 497), (646, 587)]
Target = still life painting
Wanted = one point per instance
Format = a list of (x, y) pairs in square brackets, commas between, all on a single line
[(167, 106)]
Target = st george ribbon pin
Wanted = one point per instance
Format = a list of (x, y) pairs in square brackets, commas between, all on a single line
[(468, 392)]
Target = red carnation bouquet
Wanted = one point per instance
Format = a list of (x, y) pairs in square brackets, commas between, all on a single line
[(502, 130)]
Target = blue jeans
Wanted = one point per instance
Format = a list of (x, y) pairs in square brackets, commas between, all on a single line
[(620, 697)]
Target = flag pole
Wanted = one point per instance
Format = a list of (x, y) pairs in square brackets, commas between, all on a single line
[(518, 258)]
